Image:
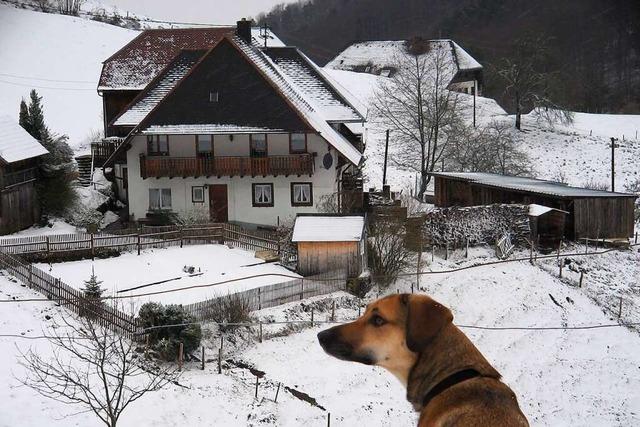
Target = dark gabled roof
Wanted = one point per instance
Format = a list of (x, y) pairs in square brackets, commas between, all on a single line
[(135, 65), (317, 87), (528, 185), (151, 96)]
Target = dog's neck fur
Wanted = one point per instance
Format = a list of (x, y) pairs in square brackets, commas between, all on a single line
[(429, 370)]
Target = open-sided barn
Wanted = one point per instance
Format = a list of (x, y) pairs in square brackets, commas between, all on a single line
[(591, 213)]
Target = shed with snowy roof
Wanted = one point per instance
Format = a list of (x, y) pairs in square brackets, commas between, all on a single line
[(19, 154), (593, 214), (330, 244)]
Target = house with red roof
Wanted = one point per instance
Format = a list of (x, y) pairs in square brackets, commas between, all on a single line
[(217, 120)]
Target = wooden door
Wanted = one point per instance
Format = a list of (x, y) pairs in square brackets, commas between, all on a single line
[(218, 205)]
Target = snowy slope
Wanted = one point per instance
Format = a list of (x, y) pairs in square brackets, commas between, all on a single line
[(61, 57)]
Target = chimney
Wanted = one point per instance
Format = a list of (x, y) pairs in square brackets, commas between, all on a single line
[(243, 30)]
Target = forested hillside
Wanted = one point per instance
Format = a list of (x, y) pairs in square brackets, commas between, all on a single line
[(593, 46)]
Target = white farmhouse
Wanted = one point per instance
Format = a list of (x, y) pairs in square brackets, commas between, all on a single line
[(248, 133)]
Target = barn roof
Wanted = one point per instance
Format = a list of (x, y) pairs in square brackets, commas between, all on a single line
[(141, 60), (528, 185), (15, 143), (319, 228)]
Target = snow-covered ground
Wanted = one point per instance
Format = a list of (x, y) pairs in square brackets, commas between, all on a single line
[(61, 57), (561, 377), (212, 264)]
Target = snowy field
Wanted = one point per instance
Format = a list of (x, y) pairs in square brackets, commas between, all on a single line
[(576, 377), (212, 264), (65, 73)]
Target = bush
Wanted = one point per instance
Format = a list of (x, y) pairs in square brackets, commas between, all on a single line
[(233, 308), (359, 286), (634, 187), (166, 341), (388, 255)]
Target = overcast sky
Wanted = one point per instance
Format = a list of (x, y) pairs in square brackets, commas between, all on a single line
[(200, 11)]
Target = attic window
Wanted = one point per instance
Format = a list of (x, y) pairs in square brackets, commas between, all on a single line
[(214, 96)]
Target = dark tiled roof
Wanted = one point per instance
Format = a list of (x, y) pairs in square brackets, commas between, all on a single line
[(141, 60), (315, 85)]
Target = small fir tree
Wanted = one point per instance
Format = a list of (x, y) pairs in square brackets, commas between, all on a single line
[(25, 119), (92, 288)]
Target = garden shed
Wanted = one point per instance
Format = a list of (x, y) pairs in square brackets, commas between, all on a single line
[(593, 214), (330, 244), (547, 225)]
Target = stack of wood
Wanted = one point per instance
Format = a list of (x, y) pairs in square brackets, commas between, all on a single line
[(475, 225)]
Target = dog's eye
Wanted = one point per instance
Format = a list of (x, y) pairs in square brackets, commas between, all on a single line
[(377, 321)]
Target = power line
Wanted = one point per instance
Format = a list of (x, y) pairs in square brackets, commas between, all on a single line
[(46, 87), (47, 80)]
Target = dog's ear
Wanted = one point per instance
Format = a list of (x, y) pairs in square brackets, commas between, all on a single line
[(425, 319)]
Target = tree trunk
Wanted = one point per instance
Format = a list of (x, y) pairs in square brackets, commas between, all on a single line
[(518, 111)]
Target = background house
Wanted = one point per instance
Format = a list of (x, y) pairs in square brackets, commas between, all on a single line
[(379, 58), (330, 244), (19, 154), (591, 213), (238, 132)]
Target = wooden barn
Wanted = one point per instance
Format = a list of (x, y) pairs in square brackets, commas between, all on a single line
[(330, 244), (19, 154), (591, 214), (547, 226)]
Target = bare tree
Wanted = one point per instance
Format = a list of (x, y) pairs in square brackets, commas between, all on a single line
[(93, 367), (70, 7), (488, 148), (417, 107), (387, 251)]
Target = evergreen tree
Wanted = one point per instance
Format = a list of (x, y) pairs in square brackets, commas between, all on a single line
[(92, 287), (25, 120), (39, 129)]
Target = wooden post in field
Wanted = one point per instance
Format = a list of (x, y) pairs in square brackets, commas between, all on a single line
[(202, 367), (180, 356), (260, 334), (531, 251), (620, 309), (412, 288), (559, 246), (93, 251), (561, 263), (138, 243), (359, 309), (328, 419), (581, 277), (256, 396), (277, 392), (259, 299), (466, 250), (220, 355), (446, 253), (301, 289), (181, 236), (333, 311), (146, 348), (31, 275), (312, 317), (433, 252), (635, 240), (586, 245)]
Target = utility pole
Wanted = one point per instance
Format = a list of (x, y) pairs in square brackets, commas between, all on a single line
[(386, 153), (613, 164), (475, 91)]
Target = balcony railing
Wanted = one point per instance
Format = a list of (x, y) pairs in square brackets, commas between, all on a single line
[(158, 167)]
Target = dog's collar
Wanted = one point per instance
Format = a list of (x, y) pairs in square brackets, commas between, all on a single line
[(449, 382)]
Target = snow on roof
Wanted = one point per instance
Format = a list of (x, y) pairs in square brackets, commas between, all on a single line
[(328, 229), (194, 129), (15, 143), (135, 65), (318, 88), (380, 55), (141, 107), (529, 185), (537, 210), (291, 92)]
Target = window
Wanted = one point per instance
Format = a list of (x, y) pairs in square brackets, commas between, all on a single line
[(214, 96), (262, 195), (297, 143), (159, 199), (204, 145), (157, 145), (301, 194), (197, 194), (258, 145)]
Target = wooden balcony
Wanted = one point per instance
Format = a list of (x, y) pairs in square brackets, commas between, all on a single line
[(171, 167)]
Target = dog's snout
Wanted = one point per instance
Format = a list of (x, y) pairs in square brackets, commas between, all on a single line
[(326, 337)]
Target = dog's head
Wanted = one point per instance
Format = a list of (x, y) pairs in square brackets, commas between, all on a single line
[(391, 332)]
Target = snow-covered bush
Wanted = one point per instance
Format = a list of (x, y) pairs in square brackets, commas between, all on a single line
[(83, 216), (194, 216), (166, 341), (233, 308)]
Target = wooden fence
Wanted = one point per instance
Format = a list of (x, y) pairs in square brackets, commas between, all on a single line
[(68, 297), (268, 296), (137, 239)]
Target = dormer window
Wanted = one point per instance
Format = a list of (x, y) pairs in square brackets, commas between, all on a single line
[(214, 96)]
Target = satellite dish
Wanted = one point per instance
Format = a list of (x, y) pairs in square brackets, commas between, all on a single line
[(327, 161)]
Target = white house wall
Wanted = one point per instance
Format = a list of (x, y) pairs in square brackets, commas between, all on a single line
[(239, 190)]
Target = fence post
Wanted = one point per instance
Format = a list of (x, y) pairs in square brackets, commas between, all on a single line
[(180, 356), (181, 236), (312, 317), (31, 275), (202, 368), (328, 419), (333, 311), (138, 242), (93, 252), (635, 240), (418, 269), (433, 253), (581, 277), (302, 288), (531, 251), (561, 263), (446, 253), (466, 251), (47, 241), (260, 336), (586, 245), (260, 299), (559, 245), (277, 392), (220, 355), (620, 309)]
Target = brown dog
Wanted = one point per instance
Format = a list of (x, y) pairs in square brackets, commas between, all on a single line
[(448, 380)]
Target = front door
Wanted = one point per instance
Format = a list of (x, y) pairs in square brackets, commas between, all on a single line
[(218, 205)]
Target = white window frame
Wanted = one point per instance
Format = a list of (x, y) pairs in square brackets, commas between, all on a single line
[(164, 199)]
